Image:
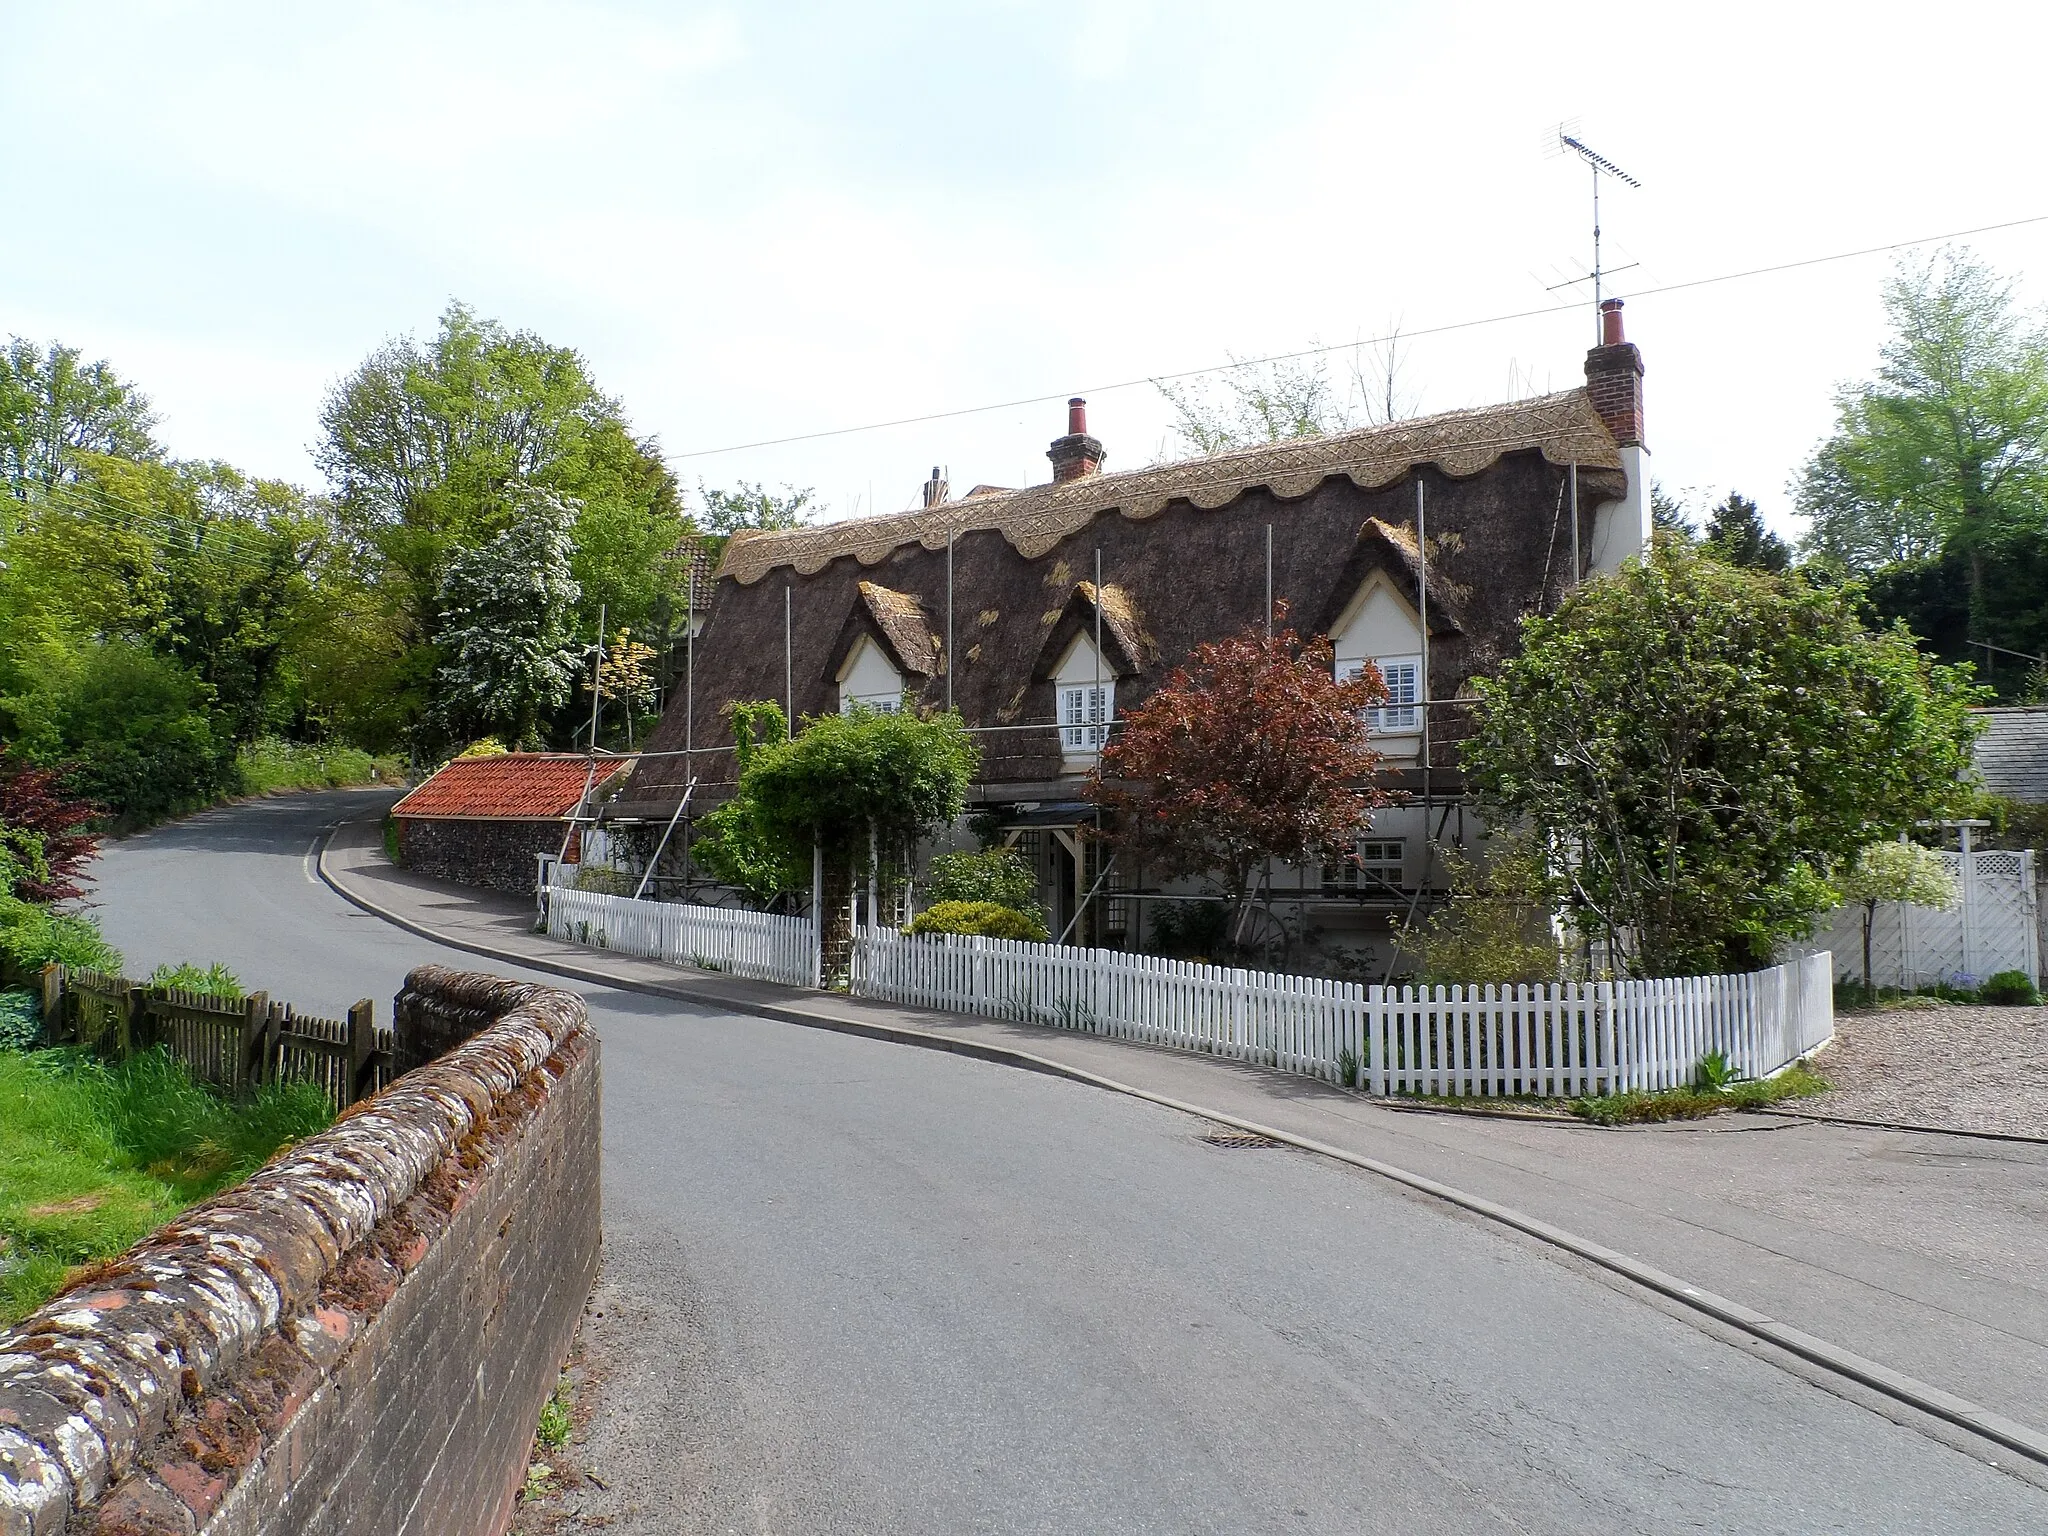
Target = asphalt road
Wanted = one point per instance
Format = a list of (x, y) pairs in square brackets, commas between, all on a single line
[(857, 1287)]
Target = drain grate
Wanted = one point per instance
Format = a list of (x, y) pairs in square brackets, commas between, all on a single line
[(1225, 1137)]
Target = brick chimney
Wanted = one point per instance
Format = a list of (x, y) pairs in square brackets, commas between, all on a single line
[(936, 490), (1614, 378), (1077, 453)]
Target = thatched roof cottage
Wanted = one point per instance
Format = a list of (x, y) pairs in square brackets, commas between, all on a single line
[(994, 601)]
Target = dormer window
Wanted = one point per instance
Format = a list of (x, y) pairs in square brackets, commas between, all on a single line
[(868, 678), (1084, 678), (1084, 686), (886, 651)]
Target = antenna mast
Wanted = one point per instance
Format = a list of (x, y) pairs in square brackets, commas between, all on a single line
[(1568, 143)]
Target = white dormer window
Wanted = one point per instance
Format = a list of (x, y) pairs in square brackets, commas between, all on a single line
[(869, 679), (1085, 714), (1084, 690)]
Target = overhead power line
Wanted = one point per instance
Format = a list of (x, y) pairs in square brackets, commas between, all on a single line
[(1320, 351)]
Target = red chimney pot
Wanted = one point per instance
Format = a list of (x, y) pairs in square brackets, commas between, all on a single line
[(1610, 323), (1077, 417)]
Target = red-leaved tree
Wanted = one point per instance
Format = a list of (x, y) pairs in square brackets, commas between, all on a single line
[(1251, 752), (33, 801)]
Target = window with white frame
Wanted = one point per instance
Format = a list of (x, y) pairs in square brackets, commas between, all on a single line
[(1403, 677), (1377, 862), (1085, 714), (880, 703)]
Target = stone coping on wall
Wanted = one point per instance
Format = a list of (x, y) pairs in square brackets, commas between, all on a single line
[(245, 1297)]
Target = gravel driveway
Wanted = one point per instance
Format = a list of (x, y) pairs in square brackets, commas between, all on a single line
[(1950, 1068)]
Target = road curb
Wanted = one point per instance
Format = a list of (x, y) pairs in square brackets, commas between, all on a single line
[(1900, 1125), (1911, 1391)]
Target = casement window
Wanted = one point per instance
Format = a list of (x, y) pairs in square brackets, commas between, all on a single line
[(880, 703), (1085, 714), (1378, 863), (1403, 677)]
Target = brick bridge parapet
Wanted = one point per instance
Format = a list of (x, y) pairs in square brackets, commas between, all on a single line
[(360, 1336)]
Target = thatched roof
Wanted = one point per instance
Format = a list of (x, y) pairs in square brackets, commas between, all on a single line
[(1183, 553), (1564, 428)]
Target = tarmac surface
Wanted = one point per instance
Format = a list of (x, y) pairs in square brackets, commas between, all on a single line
[(851, 1286)]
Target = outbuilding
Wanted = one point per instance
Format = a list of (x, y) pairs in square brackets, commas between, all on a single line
[(484, 820)]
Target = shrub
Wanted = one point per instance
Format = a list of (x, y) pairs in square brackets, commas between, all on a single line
[(31, 937), (45, 843), (214, 980), (987, 919), (2010, 989), (269, 763), (605, 880), (21, 1021), (1191, 928), (1000, 875), (1496, 926), (137, 728)]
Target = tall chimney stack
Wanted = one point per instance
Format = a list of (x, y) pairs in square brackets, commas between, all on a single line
[(1614, 378), (1077, 453), (936, 490)]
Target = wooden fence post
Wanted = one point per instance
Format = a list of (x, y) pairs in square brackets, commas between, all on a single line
[(256, 1065), (53, 1002), (362, 1045), (133, 1033)]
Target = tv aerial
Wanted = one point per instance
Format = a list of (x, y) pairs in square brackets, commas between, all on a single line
[(1568, 142)]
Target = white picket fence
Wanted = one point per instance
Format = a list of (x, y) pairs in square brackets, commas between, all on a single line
[(754, 945), (1559, 1039)]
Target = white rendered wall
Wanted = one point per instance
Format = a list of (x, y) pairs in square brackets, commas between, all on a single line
[(1621, 529)]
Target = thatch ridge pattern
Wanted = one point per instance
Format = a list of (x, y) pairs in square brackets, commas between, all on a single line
[(1564, 428)]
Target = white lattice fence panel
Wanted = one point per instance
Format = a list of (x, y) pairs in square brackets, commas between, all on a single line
[(1995, 926)]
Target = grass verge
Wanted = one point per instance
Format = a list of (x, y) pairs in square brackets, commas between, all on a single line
[(1638, 1108), (270, 763), (95, 1157)]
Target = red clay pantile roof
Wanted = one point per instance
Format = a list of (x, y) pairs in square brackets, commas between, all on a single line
[(514, 786)]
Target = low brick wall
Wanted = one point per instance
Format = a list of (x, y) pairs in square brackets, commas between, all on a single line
[(498, 855), (360, 1337)]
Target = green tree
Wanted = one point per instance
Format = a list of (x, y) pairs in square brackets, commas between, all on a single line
[(135, 732), (1893, 871), (239, 561), (427, 444), (749, 506), (1947, 446), (863, 788), (53, 407), (1697, 745), (507, 615), (732, 846), (1736, 533)]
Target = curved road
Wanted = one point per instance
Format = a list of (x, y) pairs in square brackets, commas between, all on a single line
[(855, 1287)]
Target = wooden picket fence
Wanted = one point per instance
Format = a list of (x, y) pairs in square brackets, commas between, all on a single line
[(1562, 1039), (756, 945), (235, 1045)]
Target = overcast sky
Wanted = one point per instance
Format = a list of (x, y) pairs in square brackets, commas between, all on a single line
[(773, 219)]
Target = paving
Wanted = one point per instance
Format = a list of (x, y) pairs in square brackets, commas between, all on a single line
[(856, 1287)]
